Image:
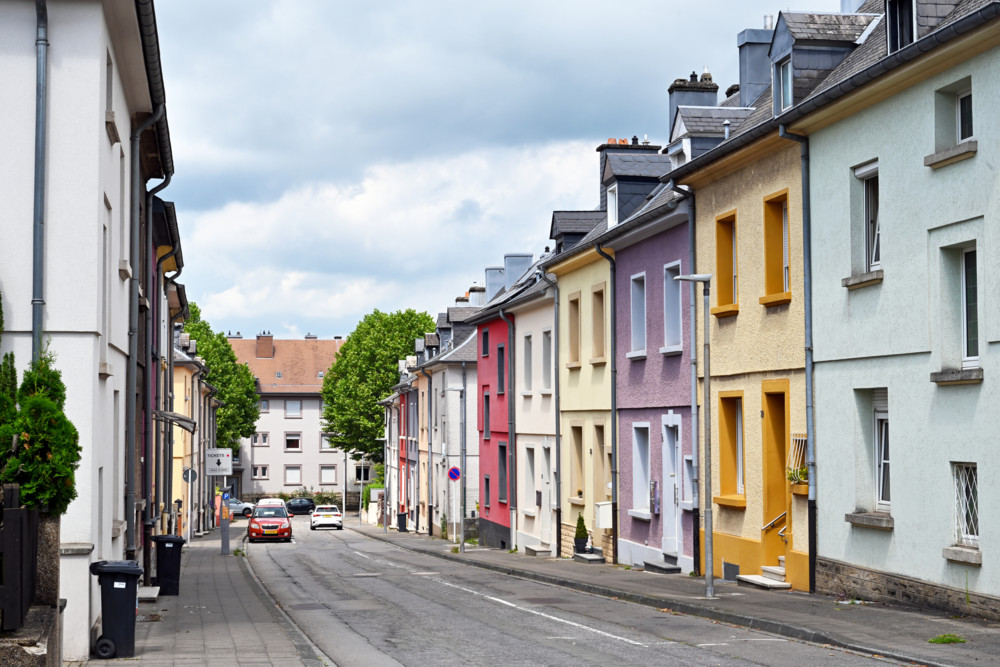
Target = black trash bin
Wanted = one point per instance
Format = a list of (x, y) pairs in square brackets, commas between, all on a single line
[(168, 563), (401, 522), (119, 581)]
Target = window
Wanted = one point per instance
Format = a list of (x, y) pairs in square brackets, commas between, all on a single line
[(328, 474), (259, 440), (293, 475), (278, 374), (640, 466), (777, 285), (547, 359), (325, 445), (672, 313), (964, 115), (502, 472), (319, 374), (501, 369), (612, 205), (726, 267), (486, 343), (293, 442), (486, 415), (954, 130), (638, 321), (901, 22), (966, 504), (871, 228), (526, 355), (529, 479), (731, 443), (265, 405), (258, 472), (486, 490), (597, 323), (576, 463), (362, 473), (880, 405), (970, 308), (786, 95), (293, 409), (573, 314)]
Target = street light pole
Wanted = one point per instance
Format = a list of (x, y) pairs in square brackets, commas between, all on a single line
[(705, 280)]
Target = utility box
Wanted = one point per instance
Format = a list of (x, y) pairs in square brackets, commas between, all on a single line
[(602, 515)]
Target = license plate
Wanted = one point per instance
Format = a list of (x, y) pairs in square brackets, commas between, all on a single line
[(270, 532), (327, 516)]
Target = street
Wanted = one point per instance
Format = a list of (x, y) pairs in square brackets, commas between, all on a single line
[(364, 602)]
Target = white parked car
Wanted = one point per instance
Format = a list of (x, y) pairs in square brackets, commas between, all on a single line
[(326, 515), (237, 506)]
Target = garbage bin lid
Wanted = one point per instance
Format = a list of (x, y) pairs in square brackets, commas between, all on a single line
[(172, 539), (116, 567)]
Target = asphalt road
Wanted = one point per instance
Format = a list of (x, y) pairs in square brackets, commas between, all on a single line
[(364, 602)]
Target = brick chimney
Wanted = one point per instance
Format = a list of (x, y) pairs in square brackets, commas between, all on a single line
[(265, 345)]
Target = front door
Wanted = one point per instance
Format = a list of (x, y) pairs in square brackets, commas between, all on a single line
[(777, 523), (669, 489), (546, 488)]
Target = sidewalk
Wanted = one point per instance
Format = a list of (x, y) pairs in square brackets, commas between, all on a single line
[(892, 631), (221, 617)]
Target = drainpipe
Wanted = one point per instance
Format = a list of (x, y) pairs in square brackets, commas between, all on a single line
[(807, 288), (614, 406), (461, 519), (430, 456), (133, 335), (555, 380), (511, 431), (168, 485), (38, 219), (688, 194)]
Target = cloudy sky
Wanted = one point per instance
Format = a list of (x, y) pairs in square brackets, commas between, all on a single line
[(334, 157)]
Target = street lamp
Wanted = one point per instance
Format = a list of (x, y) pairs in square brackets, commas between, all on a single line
[(705, 280)]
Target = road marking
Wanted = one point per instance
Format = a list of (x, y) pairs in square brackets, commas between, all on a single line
[(574, 624)]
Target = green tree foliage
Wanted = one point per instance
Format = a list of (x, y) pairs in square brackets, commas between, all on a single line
[(237, 417), (8, 381), (44, 446), (363, 373)]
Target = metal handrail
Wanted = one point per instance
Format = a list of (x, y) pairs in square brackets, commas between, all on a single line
[(774, 521)]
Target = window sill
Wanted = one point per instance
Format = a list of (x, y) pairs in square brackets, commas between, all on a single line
[(528, 512), (124, 269), (636, 355), (962, 151), (778, 299), (800, 489), (545, 392), (726, 311), (576, 500), (598, 361), (527, 394), (686, 505), (111, 127), (671, 350), (876, 520), (641, 515), (958, 376), (961, 554), (293, 451), (863, 280), (573, 365), (734, 501)]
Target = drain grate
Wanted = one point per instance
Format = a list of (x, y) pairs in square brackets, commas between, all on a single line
[(147, 618)]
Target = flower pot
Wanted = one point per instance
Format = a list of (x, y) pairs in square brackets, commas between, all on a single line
[(580, 545)]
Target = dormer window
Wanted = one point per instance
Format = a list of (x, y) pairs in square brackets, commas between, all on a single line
[(612, 206), (901, 23), (785, 92)]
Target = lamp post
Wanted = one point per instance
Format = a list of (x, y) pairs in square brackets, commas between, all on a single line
[(705, 280)]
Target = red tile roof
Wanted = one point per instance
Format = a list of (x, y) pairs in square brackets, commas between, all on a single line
[(298, 361)]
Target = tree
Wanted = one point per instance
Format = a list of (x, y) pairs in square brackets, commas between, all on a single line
[(366, 368), (237, 416), (8, 381)]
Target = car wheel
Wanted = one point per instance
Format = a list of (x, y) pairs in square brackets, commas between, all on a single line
[(312, 527), (247, 511)]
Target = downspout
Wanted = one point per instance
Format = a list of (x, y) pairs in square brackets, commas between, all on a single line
[(511, 431), (38, 218), (693, 312), (462, 413), (430, 456), (133, 335), (168, 486), (614, 406), (555, 389), (807, 289)]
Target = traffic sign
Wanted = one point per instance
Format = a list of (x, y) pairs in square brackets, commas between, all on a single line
[(454, 474), (219, 461), (225, 496), (190, 475)]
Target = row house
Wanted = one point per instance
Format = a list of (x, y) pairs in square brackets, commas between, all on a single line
[(84, 132)]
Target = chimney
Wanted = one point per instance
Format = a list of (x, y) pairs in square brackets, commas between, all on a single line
[(476, 295), (691, 93), (494, 281), (514, 266), (265, 346), (310, 336), (755, 62), (236, 337)]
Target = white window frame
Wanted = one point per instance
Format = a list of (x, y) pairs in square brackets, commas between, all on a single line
[(673, 310), (740, 487), (959, 98), (528, 360), (293, 414), (785, 271), (872, 232), (966, 477), (325, 445), (259, 471), (295, 435), (547, 355), (641, 468), (293, 468), (786, 93), (612, 205), (327, 467), (882, 455), (637, 294), (970, 358), (265, 405), (892, 17), (260, 439)]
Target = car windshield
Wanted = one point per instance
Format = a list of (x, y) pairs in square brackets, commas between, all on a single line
[(270, 512), (326, 508)]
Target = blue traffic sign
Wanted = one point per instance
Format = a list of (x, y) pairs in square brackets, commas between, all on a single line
[(454, 474), (225, 496)]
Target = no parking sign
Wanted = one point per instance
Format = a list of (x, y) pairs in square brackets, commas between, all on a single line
[(454, 474)]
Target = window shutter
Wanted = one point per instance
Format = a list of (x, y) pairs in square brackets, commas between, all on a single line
[(880, 399)]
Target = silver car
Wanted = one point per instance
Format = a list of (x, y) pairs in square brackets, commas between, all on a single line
[(237, 506), (326, 515)]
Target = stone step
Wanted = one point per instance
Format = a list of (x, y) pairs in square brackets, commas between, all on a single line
[(148, 593), (772, 572), (588, 558), (538, 550), (660, 568), (781, 561), (669, 558), (757, 581)]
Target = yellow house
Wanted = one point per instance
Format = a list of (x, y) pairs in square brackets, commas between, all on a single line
[(749, 237), (188, 398)]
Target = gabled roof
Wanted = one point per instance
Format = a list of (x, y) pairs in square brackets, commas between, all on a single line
[(831, 27), (461, 313), (464, 351), (298, 361), (641, 165), (707, 121), (574, 222)]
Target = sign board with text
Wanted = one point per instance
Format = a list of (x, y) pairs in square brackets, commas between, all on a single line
[(219, 461)]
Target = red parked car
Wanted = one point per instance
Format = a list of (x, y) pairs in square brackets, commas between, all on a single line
[(270, 522)]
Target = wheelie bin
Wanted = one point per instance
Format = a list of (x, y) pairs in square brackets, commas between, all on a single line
[(119, 581), (168, 563), (401, 522)]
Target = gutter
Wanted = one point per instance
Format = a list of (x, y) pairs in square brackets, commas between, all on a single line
[(555, 374), (614, 404), (430, 455), (38, 217), (807, 288), (511, 431)]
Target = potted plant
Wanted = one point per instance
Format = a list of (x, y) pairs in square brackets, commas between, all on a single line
[(580, 536)]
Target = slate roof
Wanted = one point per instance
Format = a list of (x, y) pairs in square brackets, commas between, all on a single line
[(464, 351), (299, 362), (648, 165), (833, 27), (461, 313), (576, 222), (709, 120), (731, 101)]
